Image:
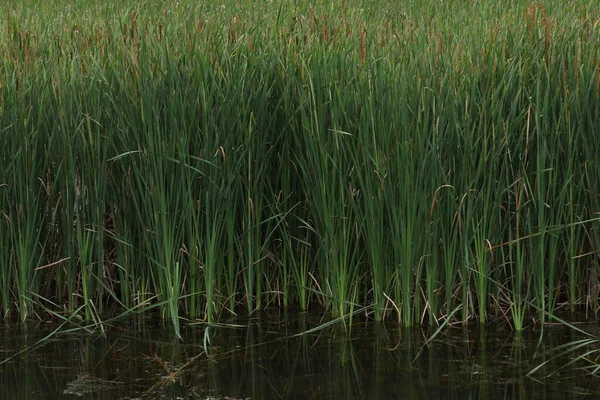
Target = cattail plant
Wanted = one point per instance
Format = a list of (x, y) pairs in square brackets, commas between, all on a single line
[(418, 161)]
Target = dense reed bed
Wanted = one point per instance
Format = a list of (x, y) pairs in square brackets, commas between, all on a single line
[(419, 159)]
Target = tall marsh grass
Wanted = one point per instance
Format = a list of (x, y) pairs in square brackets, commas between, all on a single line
[(216, 158)]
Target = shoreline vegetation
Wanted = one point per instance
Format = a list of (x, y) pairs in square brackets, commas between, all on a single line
[(420, 160)]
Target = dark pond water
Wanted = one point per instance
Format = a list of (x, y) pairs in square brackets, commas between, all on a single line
[(258, 359)]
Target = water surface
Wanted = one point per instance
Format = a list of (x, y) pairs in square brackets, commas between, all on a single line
[(260, 358)]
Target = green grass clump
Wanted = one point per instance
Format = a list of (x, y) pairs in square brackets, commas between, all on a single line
[(210, 157)]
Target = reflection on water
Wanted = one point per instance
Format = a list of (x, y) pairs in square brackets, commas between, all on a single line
[(260, 360)]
